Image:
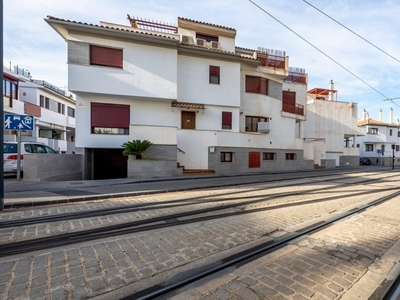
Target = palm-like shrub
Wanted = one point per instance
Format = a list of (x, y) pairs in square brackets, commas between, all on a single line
[(136, 147)]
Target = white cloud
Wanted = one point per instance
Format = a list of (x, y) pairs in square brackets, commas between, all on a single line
[(32, 44)]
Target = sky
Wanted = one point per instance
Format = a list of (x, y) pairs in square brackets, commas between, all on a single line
[(313, 41)]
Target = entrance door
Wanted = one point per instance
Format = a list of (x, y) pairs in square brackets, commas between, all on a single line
[(254, 159), (188, 120)]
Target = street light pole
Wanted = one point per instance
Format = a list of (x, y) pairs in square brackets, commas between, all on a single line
[(393, 147)]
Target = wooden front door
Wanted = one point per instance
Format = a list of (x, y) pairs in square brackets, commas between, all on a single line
[(254, 159), (188, 120)]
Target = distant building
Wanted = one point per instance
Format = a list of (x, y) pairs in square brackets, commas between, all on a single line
[(379, 138), (53, 109), (331, 129)]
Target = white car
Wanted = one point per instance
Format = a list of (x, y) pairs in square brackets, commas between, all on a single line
[(10, 152)]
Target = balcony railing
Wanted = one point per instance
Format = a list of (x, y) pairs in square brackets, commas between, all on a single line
[(296, 109), (272, 58), (144, 24), (296, 75)]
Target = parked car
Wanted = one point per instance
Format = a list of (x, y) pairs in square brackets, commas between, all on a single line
[(10, 151), (364, 161)]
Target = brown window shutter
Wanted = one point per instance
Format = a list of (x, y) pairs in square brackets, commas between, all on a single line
[(104, 56), (110, 115), (214, 70), (263, 86), (252, 84), (226, 120), (289, 98)]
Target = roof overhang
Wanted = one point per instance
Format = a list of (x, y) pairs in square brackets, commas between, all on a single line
[(187, 105)]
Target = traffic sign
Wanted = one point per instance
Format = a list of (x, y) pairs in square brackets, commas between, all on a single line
[(18, 122)]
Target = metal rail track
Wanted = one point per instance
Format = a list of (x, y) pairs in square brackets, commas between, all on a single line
[(249, 255), (165, 204), (151, 224)]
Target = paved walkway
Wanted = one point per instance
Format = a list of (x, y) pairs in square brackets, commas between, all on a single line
[(22, 193)]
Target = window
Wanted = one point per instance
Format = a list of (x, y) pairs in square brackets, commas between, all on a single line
[(61, 108), (372, 130), (252, 123), (208, 38), (398, 133), (390, 132), (227, 156), (214, 74), (226, 120), (71, 112), (44, 102), (397, 148), (256, 85), (369, 147), (290, 156), (269, 156), (103, 56), (110, 118)]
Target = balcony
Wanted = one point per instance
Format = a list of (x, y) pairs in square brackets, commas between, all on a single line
[(272, 58), (296, 109), (296, 75)]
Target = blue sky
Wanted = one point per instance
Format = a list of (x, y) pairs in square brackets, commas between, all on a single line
[(31, 44)]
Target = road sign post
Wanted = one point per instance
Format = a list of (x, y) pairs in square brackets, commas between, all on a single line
[(18, 122)]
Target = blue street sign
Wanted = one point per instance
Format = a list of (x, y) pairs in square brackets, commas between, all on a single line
[(18, 122)]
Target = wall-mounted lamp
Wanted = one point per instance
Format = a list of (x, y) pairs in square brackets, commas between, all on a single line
[(241, 113)]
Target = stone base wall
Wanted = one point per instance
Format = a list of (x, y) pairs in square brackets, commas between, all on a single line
[(328, 163), (143, 168)]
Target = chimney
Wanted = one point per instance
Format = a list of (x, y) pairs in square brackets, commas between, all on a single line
[(391, 116), (365, 114), (380, 115), (331, 87)]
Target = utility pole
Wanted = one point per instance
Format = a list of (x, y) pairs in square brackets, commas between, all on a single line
[(1, 109)]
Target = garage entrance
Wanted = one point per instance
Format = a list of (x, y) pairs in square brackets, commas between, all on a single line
[(109, 164)]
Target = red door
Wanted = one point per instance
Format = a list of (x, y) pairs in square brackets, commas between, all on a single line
[(254, 159)]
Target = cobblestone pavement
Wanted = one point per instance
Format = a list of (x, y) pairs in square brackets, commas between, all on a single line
[(346, 261), (106, 268)]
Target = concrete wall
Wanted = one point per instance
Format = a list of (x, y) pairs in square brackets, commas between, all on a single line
[(328, 163), (159, 161), (349, 161), (241, 161), (53, 167)]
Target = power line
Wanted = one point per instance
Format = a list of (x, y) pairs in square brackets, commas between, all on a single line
[(336, 62), (373, 45)]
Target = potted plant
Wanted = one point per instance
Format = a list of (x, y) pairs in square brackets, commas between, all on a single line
[(136, 147)]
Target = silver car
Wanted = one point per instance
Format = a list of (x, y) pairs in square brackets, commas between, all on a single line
[(10, 154)]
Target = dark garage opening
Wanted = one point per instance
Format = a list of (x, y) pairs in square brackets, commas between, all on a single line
[(109, 164)]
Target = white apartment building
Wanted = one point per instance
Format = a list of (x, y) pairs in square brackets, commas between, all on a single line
[(188, 89), (381, 140), (331, 129), (53, 109)]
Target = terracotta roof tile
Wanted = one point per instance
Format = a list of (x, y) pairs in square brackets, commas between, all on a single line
[(185, 19), (377, 123), (188, 105), (108, 27)]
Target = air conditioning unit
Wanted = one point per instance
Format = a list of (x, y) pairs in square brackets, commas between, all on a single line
[(263, 127), (187, 39), (201, 42), (215, 45)]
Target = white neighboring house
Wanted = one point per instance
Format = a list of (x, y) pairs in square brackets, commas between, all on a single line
[(379, 139), (331, 129), (53, 109), (189, 90)]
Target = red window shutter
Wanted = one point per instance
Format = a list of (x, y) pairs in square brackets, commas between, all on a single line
[(110, 115), (252, 84), (214, 70), (263, 86), (104, 56), (226, 120), (289, 98)]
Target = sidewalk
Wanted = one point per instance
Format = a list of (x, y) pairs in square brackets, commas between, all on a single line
[(28, 193)]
